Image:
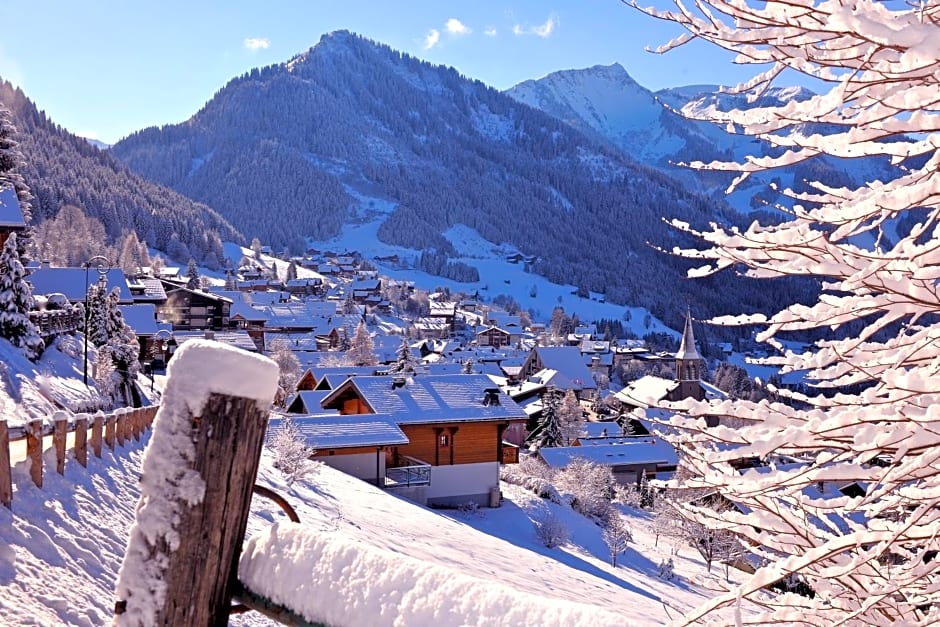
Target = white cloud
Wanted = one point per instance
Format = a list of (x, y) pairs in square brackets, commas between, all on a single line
[(490, 31), (432, 38), (541, 30), (257, 43), (456, 27), (545, 30)]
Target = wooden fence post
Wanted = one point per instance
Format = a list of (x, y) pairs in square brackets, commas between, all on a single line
[(96, 428), (34, 450), (6, 475), (135, 423), (60, 423), (121, 430), (81, 439), (109, 429), (191, 542)]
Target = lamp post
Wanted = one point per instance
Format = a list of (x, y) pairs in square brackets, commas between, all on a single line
[(103, 265), (164, 337)]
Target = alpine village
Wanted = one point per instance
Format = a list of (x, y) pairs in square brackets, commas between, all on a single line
[(366, 341)]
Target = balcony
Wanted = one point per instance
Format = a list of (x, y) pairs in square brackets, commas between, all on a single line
[(410, 472)]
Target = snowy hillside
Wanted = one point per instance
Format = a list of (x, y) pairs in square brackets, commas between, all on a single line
[(61, 546)]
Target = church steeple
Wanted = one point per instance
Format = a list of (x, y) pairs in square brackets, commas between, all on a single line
[(689, 364)]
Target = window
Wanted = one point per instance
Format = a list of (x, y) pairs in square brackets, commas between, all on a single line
[(445, 439)]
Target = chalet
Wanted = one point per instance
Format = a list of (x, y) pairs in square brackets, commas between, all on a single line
[(445, 312), (454, 425), (313, 378), (571, 373), (363, 289), (195, 309), (11, 216), (306, 402), (493, 336), (356, 445)]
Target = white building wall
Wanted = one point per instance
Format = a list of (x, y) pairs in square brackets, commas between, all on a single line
[(359, 465), (455, 485)]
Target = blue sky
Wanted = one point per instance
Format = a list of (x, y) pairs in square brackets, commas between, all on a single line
[(105, 68)]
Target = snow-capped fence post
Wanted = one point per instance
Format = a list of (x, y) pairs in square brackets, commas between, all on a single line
[(109, 428), (81, 439), (6, 476), (34, 450), (60, 422), (97, 426), (198, 471)]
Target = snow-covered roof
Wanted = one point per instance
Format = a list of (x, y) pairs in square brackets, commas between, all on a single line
[(71, 282), (307, 402), (141, 317), (246, 312), (11, 216), (432, 398), (615, 452), (646, 391), (602, 429), (237, 338), (567, 361), (331, 432), (150, 288)]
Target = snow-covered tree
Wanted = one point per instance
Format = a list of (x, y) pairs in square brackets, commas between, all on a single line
[(869, 560), (617, 536), (591, 486), (550, 529), (16, 299), (362, 350), (123, 348), (288, 366), (548, 432), (192, 275), (291, 271), (404, 359), (291, 453), (570, 417), (11, 165), (106, 380)]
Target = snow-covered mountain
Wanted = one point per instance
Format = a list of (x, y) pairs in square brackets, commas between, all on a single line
[(352, 131), (605, 102)]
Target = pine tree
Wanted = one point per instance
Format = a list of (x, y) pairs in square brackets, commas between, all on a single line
[(548, 433), (405, 360), (16, 300), (291, 271), (192, 274), (97, 315)]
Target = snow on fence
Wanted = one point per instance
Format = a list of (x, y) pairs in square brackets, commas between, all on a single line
[(104, 429), (57, 321)]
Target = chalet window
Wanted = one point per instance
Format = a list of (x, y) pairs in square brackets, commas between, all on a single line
[(445, 439)]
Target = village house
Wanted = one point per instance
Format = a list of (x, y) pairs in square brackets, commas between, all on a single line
[(194, 309), (566, 361), (11, 216), (454, 425)]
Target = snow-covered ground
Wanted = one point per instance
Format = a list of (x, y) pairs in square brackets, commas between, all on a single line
[(61, 546)]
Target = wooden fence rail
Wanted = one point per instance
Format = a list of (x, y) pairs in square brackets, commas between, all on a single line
[(69, 433)]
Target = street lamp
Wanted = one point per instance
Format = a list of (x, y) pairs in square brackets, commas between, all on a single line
[(103, 265), (164, 336)]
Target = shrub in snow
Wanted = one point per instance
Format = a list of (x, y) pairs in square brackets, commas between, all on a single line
[(291, 453), (532, 475), (550, 529), (627, 495), (288, 367), (590, 485), (471, 509), (667, 569), (69, 346)]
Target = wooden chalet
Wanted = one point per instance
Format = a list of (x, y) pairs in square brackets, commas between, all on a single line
[(194, 309), (11, 216), (493, 336), (454, 425)]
